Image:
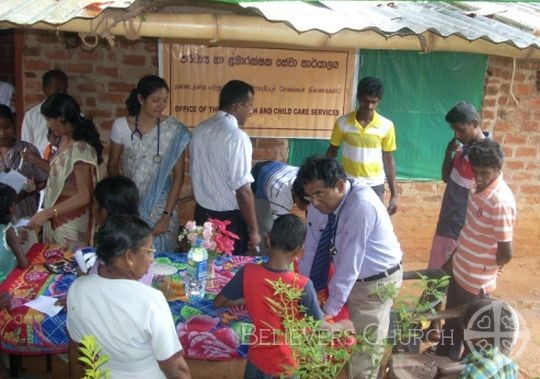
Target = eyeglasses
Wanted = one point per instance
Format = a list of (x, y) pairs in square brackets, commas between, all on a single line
[(319, 195), (150, 250)]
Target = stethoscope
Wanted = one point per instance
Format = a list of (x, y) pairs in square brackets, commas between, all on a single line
[(137, 131), (333, 249)]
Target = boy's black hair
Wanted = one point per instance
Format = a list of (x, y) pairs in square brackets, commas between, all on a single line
[(486, 153), (317, 167), (288, 233), (370, 86), (7, 198), (462, 112), (117, 195)]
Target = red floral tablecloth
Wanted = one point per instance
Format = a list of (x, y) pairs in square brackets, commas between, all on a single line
[(205, 332), (24, 330)]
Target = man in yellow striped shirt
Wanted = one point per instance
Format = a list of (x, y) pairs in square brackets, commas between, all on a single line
[(368, 141)]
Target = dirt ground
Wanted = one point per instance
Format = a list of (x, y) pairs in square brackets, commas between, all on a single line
[(519, 286)]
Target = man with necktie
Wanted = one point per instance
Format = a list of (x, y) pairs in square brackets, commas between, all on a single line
[(348, 224)]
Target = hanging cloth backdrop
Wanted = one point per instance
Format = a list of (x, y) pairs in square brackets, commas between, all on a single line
[(418, 91)]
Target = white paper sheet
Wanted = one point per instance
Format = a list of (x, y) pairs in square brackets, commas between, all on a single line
[(22, 223), (13, 179), (45, 304)]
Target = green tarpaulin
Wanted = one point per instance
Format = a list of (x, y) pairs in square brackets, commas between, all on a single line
[(419, 90)]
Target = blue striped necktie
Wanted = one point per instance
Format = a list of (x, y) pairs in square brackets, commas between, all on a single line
[(321, 261)]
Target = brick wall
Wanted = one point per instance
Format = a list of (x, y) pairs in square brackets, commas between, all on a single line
[(102, 78), (516, 124), (7, 69)]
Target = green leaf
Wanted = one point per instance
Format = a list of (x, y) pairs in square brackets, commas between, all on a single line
[(85, 351), (86, 361), (102, 359)]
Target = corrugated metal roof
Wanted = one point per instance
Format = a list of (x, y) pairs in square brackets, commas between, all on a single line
[(511, 23), (56, 12)]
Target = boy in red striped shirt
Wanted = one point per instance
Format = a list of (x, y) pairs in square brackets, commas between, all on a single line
[(485, 242)]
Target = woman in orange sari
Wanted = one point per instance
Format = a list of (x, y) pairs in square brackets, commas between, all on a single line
[(66, 217)]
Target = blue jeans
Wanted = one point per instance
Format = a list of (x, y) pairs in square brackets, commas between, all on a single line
[(252, 372)]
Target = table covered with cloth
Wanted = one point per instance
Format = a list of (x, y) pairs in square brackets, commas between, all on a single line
[(205, 332)]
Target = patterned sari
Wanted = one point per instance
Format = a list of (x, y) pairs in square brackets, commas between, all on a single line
[(25, 206), (154, 180), (73, 229)]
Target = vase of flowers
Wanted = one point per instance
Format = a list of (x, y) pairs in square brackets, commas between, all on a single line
[(212, 235)]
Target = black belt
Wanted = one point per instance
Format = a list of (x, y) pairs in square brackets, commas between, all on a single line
[(381, 275)]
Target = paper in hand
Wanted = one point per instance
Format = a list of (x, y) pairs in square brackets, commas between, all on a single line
[(13, 179), (45, 304)]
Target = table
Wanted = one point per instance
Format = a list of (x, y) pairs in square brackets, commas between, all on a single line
[(205, 332), (25, 331)]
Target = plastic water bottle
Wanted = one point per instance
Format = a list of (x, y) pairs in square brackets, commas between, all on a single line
[(197, 268)]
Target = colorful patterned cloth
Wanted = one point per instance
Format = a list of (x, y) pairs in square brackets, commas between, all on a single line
[(24, 330), (205, 332), (490, 364)]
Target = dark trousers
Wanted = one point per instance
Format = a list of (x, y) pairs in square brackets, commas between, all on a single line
[(451, 341), (379, 190), (238, 225)]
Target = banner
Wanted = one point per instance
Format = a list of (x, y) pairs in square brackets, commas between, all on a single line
[(298, 93), (418, 91)]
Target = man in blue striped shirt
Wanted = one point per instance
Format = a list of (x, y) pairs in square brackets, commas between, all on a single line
[(273, 190), (363, 246)]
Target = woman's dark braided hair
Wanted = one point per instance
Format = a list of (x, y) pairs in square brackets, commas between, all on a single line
[(65, 106)]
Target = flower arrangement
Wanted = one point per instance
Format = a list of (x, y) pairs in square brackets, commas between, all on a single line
[(212, 235)]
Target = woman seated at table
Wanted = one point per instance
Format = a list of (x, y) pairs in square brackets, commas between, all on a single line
[(66, 217), (132, 322)]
